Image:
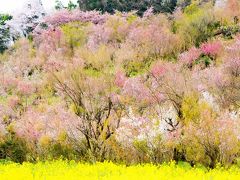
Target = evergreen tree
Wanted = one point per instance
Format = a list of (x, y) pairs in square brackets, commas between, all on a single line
[(4, 31), (71, 6), (125, 6), (59, 5)]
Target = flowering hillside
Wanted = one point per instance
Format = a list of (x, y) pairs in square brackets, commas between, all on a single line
[(92, 86)]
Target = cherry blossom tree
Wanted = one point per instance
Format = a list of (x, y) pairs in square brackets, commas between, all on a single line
[(92, 100)]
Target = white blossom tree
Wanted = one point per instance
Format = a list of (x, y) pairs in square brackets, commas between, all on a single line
[(25, 21)]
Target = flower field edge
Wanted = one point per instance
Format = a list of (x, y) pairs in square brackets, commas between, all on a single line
[(107, 170)]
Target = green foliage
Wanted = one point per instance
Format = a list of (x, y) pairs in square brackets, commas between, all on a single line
[(71, 6), (74, 35), (205, 61), (4, 18), (59, 5), (133, 68), (192, 108), (183, 3), (4, 32), (96, 61), (13, 149), (229, 31), (191, 9), (126, 6), (196, 25)]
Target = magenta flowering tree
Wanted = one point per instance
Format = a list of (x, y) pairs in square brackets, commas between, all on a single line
[(134, 88), (204, 56), (211, 48)]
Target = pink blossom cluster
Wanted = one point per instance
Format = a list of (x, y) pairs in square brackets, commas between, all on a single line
[(137, 89), (3, 112), (233, 49), (120, 79), (157, 40), (134, 87), (9, 82), (148, 13), (25, 88), (54, 64), (49, 40), (158, 70), (65, 16), (14, 101), (232, 60), (222, 130), (99, 34), (49, 122), (190, 56), (173, 136), (3, 130), (216, 77), (233, 66), (211, 48)]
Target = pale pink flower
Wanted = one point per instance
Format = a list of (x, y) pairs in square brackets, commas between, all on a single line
[(120, 79), (158, 70), (148, 13), (190, 56), (233, 66), (99, 34), (25, 88), (65, 16), (135, 88), (10, 82), (13, 101)]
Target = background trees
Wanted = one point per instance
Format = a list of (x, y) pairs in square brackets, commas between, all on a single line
[(125, 6), (4, 31)]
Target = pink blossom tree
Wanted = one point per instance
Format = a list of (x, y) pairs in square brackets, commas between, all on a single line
[(92, 101)]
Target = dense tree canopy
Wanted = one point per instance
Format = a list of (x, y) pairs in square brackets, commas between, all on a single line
[(4, 31), (126, 6)]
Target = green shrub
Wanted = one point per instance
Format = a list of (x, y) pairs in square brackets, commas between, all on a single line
[(13, 149), (196, 24)]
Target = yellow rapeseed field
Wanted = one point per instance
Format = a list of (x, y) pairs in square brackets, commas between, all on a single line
[(58, 170)]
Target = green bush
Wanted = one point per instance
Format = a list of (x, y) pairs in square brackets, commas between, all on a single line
[(196, 24), (4, 32), (13, 149)]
